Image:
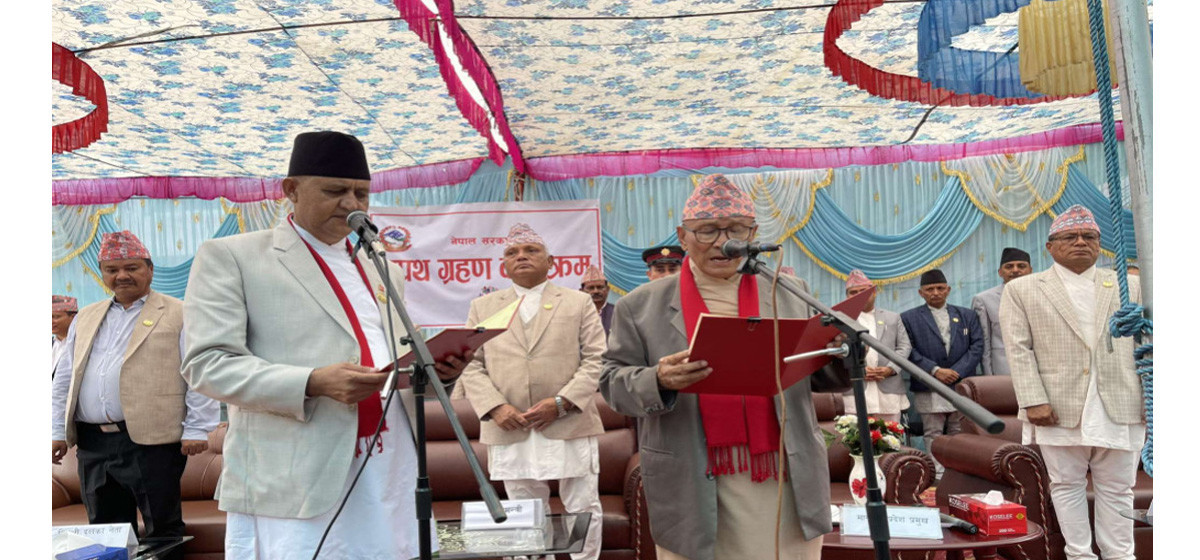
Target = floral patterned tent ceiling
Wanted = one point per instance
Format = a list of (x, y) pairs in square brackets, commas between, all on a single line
[(216, 89)]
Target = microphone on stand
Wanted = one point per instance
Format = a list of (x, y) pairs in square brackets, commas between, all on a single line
[(360, 222), (735, 248)]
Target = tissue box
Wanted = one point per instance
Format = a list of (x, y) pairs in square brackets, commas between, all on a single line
[(1006, 518)]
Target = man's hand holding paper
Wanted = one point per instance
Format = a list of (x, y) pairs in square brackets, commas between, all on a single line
[(675, 371)]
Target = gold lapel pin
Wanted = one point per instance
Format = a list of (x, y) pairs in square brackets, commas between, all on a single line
[(148, 323), (548, 306), (381, 294), (1107, 284), (955, 319)]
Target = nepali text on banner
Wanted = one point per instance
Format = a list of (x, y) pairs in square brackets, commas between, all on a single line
[(453, 254)]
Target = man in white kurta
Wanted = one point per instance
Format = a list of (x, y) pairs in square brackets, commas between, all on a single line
[(1079, 396), (885, 389), (378, 521), (535, 386), (287, 327), (62, 313)]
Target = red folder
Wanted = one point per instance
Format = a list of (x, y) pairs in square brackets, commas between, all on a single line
[(455, 341), (740, 350)]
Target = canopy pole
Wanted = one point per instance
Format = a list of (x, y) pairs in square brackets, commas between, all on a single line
[(1130, 26)]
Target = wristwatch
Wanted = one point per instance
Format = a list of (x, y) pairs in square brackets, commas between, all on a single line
[(560, 404)]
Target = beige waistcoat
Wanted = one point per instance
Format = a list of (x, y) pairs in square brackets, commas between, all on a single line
[(152, 390)]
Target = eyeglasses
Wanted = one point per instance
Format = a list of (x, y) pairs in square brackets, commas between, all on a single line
[(1090, 237), (710, 234)]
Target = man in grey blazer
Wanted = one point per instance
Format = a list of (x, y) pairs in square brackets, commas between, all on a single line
[(702, 504), (1014, 263), (886, 387), (1078, 390), (288, 327)]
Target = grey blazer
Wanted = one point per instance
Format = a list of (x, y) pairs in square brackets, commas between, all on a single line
[(889, 329), (681, 497), (987, 305)]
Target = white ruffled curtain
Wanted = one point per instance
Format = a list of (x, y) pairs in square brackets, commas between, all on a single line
[(256, 216), (72, 228), (783, 200), (1014, 189)]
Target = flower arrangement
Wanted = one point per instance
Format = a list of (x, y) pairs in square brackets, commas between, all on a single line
[(885, 436)]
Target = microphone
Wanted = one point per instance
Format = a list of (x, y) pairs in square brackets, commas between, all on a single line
[(960, 524), (367, 232), (735, 248)]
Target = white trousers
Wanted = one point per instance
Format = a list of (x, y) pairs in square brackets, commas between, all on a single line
[(579, 495), (1114, 473)]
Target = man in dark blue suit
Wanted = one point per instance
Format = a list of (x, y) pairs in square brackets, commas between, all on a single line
[(947, 341)]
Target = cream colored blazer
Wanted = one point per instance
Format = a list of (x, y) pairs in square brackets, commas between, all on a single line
[(557, 353), (1049, 358)]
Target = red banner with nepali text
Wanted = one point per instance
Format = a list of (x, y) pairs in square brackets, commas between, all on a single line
[(453, 254)]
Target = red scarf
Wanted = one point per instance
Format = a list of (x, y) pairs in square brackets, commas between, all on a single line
[(370, 409), (743, 425)]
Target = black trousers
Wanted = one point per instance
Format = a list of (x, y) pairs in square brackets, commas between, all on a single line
[(118, 478)]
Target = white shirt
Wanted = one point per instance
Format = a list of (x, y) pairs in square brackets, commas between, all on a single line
[(99, 399), (531, 303), (878, 402), (1095, 428), (379, 521), (56, 350)]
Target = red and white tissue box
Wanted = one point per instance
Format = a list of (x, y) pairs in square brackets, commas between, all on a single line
[(993, 519)]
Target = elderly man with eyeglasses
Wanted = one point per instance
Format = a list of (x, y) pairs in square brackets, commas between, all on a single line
[(703, 501), (1078, 391)]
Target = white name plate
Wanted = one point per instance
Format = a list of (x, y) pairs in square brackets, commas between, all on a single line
[(903, 522), (116, 535), (522, 514)]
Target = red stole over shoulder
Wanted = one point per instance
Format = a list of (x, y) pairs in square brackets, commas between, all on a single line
[(370, 409), (743, 425)]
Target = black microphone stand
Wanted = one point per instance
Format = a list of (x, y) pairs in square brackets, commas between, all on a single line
[(424, 372), (855, 353)]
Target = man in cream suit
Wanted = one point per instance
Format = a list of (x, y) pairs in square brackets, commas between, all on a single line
[(287, 326), (1014, 263), (703, 503), (1078, 390), (886, 387), (534, 387), (118, 395)]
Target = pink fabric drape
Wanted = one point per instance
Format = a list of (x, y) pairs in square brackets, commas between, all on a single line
[(558, 168), (423, 22), (246, 189)]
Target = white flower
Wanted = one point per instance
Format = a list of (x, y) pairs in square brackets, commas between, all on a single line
[(891, 442), (847, 420)]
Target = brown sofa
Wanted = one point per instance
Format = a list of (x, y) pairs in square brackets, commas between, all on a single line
[(626, 529), (976, 461)]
